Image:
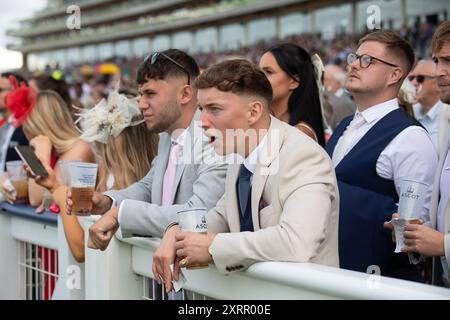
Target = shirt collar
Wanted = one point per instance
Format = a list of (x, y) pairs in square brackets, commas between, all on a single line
[(434, 111), (339, 92), (251, 161), (432, 114), (378, 111), (181, 139)]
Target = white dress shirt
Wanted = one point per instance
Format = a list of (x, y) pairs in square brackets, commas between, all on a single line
[(410, 155), (339, 92), (252, 159), (430, 120)]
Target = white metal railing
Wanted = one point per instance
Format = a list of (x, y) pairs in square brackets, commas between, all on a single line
[(38, 271), (267, 280), (28, 243), (123, 271)]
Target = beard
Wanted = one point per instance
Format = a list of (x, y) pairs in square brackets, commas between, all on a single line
[(165, 119), (445, 96)]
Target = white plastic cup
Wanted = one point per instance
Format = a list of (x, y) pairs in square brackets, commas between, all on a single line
[(83, 176), (64, 166), (193, 220), (15, 170), (19, 180), (411, 200), (399, 229)]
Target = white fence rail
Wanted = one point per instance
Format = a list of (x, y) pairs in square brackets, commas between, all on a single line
[(123, 271), (28, 245)]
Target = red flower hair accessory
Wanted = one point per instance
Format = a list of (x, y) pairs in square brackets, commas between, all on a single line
[(20, 102)]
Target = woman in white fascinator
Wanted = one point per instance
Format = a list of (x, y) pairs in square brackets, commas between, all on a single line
[(125, 148)]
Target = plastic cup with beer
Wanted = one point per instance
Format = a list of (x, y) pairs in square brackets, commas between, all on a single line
[(64, 166), (411, 200), (193, 220), (83, 176), (18, 179)]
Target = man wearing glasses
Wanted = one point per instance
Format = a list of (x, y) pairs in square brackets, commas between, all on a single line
[(169, 105), (373, 151), (429, 110)]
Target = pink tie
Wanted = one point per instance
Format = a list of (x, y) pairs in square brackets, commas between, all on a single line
[(169, 175)]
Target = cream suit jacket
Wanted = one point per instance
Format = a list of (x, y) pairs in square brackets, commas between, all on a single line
[(295, 204)]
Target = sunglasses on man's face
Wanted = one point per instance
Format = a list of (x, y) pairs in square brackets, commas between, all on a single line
[(154, 57), (4, 89), (420, 78)]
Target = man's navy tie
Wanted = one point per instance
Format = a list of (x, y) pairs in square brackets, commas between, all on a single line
[(244, 192)]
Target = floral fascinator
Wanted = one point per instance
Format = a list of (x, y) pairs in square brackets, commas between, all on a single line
[(20, 102), (109, 117)]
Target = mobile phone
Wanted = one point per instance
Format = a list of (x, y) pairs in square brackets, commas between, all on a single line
[(26, 153)]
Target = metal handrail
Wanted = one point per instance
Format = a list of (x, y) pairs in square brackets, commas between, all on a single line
[(287, 280)]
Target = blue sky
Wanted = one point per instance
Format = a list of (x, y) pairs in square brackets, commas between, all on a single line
[(10, 12)]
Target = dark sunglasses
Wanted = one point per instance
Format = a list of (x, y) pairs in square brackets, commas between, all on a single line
[(365, 60), (420, 78), (154, 57), (5, 89)]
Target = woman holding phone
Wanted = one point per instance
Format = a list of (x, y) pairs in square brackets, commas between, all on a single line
[(48, 125), (125, 147)]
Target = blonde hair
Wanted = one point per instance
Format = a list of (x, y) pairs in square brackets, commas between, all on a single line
[(51, 117), (127, 157)]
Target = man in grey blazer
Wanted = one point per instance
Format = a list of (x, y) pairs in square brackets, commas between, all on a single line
[(338, 103), (179, 178), (434, 241), (281, 204)]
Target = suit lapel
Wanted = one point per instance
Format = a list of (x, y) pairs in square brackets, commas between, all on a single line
[(259, 181), (193, 135), (234, 222), (178, 174), (441, 166), (434, 205), (160, 168), (268, 154)]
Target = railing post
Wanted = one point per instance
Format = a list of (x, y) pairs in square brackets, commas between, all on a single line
[(70, 285), (108, 273), (9, 268)]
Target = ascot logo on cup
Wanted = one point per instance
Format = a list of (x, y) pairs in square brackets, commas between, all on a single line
[(193, 220), (412, 196)]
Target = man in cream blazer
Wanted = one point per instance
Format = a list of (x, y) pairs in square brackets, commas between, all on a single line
[(281, 204), (294, 206)]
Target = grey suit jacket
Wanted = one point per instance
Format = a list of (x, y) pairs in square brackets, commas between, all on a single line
[(198, 183), (338, 108), (436, 197), (295, 206)]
